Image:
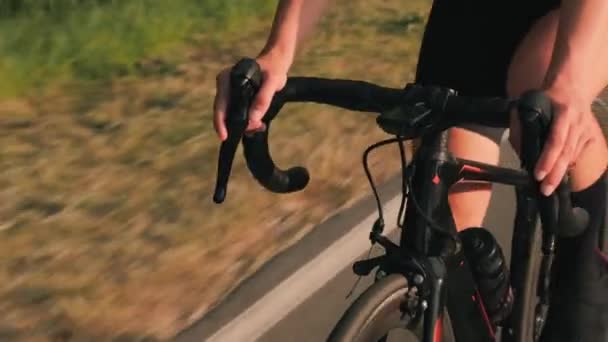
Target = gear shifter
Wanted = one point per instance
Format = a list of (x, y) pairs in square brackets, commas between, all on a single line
[(245, 80)]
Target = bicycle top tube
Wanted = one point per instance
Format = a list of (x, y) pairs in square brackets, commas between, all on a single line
[(408, 113)]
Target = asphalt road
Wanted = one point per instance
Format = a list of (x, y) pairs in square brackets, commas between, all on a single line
[(301, 293)]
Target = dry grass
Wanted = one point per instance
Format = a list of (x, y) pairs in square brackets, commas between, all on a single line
[(106, 221)]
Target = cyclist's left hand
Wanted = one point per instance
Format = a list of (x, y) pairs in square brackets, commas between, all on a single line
[(570, 133)]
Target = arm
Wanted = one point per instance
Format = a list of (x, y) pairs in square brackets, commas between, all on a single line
[(293, 23), (578, 70), (294, 20)]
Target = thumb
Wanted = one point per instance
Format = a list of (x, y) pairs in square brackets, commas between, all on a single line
[(261, 103)]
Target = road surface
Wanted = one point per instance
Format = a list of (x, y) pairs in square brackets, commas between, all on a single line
[(301, 293)]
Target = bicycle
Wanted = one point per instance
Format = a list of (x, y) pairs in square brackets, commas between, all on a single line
[(428, 271)]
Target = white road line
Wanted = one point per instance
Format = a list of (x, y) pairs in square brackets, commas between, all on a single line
[(256, 320)]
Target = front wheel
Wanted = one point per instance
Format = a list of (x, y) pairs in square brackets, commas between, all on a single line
[(378, 315)]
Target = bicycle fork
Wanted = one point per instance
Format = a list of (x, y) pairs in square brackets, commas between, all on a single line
[(433, 315), (449, 280)]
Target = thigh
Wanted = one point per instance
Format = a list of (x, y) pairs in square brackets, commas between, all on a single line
[(532, 56), (468, 45)]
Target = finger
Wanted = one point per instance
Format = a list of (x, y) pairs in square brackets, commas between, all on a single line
[(260, 104), (582, 143), (220, 105), (574, 136), (553, 147), (587, 130), (554, 177), (561, 165), (250, 132)]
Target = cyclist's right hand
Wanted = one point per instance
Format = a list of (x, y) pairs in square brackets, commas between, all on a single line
[(274, 76)]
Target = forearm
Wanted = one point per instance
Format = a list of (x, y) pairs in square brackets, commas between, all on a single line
[(581, 46), (293, 22)]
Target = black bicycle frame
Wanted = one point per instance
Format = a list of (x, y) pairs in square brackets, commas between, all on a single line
[(435, 171), (429, 243)]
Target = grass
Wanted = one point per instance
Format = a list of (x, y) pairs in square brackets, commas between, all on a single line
[(48, 41)]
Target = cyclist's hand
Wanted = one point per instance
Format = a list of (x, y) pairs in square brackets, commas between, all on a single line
[(570, 132), (274, 76)]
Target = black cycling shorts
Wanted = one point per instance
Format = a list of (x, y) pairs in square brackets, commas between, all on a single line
[(468, 44)]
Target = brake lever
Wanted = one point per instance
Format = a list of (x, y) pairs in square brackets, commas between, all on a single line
[(245, 80), (557, 213)]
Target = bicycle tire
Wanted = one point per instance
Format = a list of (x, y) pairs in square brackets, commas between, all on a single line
[(376, 312), (529, 297)]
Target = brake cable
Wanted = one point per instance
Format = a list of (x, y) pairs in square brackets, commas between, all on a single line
[(406, 185)]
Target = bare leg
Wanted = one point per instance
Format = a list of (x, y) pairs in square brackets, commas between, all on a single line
[(470, 201)]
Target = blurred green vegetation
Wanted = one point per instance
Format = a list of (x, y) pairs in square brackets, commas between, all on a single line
[(46, 41)]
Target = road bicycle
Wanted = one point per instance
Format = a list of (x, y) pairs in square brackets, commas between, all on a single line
[(432, 281)]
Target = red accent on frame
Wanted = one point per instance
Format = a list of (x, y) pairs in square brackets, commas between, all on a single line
[(471, 169), (486, 318), (438, 330), (603, 256), (436, 179)]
